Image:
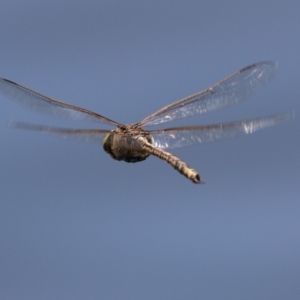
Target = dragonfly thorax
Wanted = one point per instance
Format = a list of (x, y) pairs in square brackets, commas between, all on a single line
[(122, 143)]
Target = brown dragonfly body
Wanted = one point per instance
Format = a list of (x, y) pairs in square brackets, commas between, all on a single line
[(133, 143)]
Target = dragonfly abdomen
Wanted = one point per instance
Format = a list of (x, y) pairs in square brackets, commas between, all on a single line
[(171, 159)]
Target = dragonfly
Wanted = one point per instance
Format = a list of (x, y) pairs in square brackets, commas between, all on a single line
[(133, 143)]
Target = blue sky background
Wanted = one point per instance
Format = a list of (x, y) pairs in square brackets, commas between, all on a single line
[(75, 224)]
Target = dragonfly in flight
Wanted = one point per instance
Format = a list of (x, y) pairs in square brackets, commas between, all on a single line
[(133, 143)]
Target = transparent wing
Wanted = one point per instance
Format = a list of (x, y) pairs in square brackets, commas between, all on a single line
[(193, 135), (231, 90), (36, 101), (88, 135)]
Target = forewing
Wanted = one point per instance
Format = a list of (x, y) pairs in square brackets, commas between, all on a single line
[(193, 135), (88, 135), (231, 90), (36, 101)]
